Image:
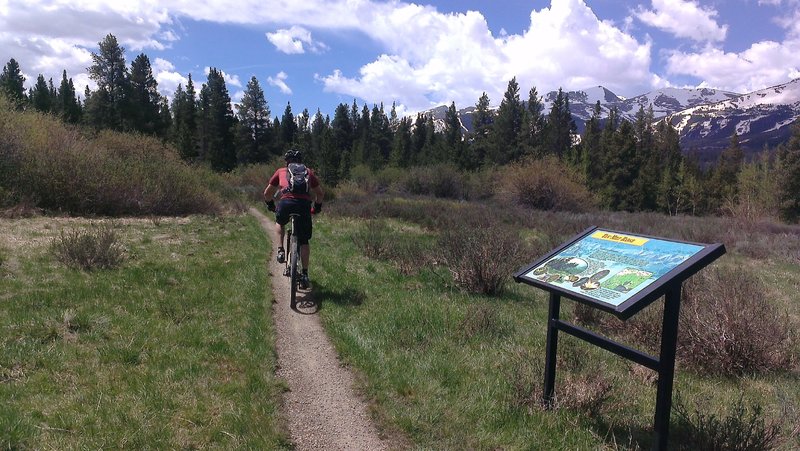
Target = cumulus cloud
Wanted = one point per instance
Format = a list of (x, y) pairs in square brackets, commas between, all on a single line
[(684, 19), (426, 58), (279, 81), (454, 57), (295, 40), (167, 77), (762, 65), (48, 37)]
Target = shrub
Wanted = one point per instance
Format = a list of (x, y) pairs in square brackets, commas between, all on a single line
[(544, 184), (728, 326), (61, 168), (440, 180), (373, 239), (482, 257), (742, 428), (98, 247)]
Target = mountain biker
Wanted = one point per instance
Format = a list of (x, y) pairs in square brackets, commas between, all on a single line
[(293, 202)]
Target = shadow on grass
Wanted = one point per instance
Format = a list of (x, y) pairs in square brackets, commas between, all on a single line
[(625, 436), (346, 296)]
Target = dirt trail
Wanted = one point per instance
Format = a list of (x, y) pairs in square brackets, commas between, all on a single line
[(321, 406)]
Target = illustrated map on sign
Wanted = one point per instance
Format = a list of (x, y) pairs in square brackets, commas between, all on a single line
[(611, 267)]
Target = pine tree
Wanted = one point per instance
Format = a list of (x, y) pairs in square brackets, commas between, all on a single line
[(394, 120), (432, 149), (560, 126), (318, 130), (402, 145), (40, 97), (217, 123), (254, 119), (590, 150), (666, 158), (336, 145), (789, 190), (380, 138), (723, 180), (482, 121), (304, 137), (533, 124), (143, 113), (621, 168), (67, 105), (650, 162), (184, 126), (109, 103), (508, 126), (12, 83), (419, 136), (362, 146), (288, 127), (453, 142)]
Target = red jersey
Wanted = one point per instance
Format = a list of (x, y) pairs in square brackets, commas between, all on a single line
[(280, 179)]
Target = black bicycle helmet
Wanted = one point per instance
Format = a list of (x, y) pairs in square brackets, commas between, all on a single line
[(293, 156)]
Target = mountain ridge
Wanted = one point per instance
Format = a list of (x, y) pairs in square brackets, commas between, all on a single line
[(705, 118)]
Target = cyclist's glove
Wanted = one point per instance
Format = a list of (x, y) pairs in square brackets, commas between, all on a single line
[(270, 205), (317, 208)]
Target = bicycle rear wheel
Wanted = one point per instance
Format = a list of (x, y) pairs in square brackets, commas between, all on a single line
[(294, 276)]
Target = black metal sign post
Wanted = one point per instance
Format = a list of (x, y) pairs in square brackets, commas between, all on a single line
[(627, 289)]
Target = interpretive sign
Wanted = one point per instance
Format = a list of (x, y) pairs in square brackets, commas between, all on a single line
[(612, 269), (621, 273)]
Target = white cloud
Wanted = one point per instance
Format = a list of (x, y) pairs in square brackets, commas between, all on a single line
[(684, 19), (295, 40), (763, 64), (454, 57), (279, 81), (168, 79)]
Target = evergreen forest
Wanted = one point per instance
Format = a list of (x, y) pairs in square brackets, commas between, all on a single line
[(615, 164)]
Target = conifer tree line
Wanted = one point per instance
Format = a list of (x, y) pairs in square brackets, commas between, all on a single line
[(632, 166)]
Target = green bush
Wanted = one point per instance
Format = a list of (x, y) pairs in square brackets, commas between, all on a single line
[(482, 257), (743, 428), (729, 327), (61, 168), (544, 184), (440, 180), (98, 247)]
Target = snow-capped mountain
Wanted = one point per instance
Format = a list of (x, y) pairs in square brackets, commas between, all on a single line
[(705, 118), (759, 118), (664, 101)]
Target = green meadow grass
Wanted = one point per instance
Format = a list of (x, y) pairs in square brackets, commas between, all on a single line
[(173, 349), (452, 370)]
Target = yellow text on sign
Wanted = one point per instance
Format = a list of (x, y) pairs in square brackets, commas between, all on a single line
[(619, 238)]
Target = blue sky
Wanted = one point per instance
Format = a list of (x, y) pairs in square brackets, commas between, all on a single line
[(317, 54)]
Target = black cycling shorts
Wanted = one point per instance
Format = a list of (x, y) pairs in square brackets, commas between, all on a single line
[(302, 224)]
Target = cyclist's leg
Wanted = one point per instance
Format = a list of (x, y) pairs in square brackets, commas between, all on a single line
[(303, 224), (281, 218)]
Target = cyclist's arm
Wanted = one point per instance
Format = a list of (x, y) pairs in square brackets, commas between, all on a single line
[(317, 194), (269, 192)]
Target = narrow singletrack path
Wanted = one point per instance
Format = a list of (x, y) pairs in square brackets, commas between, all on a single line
[(321, 406)]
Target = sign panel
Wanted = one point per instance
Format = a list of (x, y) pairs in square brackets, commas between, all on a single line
[(611, 267)]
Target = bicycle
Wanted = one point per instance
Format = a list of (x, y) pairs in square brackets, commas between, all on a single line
[(292, 261)]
